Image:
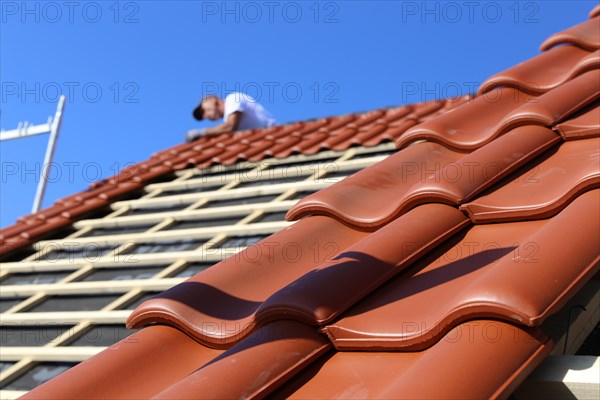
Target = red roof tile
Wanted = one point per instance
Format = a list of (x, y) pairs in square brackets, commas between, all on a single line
[(532, 77), (255, 367), (585, 35), (542, 188), (452, 368), (460, 130), (586, 124), (416, 286), (554, 106), (140, 366)]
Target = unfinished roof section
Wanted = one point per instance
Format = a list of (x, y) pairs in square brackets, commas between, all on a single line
[(69, 299), (306, 138)]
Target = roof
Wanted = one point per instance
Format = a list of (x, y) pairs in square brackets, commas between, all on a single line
[(304, 137), (451, 252)]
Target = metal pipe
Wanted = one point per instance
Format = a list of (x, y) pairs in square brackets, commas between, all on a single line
[(54, 131)]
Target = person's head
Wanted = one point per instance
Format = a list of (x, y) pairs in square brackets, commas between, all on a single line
[(210, 107)]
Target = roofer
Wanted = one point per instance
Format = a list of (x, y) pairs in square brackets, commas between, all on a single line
[(239, 112)]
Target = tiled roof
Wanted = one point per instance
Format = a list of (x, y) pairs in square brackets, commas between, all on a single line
[(333, 133), (427, 275)]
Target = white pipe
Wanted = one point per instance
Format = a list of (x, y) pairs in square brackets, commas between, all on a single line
[(55, 129)]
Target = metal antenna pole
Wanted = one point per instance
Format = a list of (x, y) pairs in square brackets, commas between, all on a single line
[(54, 131)]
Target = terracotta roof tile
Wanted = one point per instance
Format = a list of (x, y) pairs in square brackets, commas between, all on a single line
[(308, 145), (345, 201), (460, 130), (147, 176), (84, 209), (285, 132), (15, 230), (365, 135), (585, 35), (505, 108), (340, 122), (152, 359), (255, 367), (395, 114), (531, 76), (452, 368), (426, 109), (455, 102), (253, 150), (199, 158), (231, 155), (340, 138), (52, 224), (279, 149), (586, 124), (17, 242), (543, 187), (390, 134), (554, 106)]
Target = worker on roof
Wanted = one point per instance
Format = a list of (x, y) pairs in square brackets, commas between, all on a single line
[(239, 112)]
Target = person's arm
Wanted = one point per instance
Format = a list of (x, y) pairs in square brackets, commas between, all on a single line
[(232, 123)]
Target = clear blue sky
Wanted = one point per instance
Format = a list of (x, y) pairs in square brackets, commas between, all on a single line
[(133, 70)]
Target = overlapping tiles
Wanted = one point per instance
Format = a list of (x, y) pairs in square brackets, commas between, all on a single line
[(513, 271), (226, 297), (425, 172), (453, 368), (153, 359), (543, 187), (250, 368), (415, 264), (532, 76), (585, 35)]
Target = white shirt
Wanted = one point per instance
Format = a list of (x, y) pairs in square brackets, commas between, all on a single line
[(253, 116)]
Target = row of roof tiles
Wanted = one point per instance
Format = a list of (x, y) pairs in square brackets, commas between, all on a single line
[(395, 276), (287, 359)]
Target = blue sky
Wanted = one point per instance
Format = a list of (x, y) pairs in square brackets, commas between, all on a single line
[(134, 70)]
